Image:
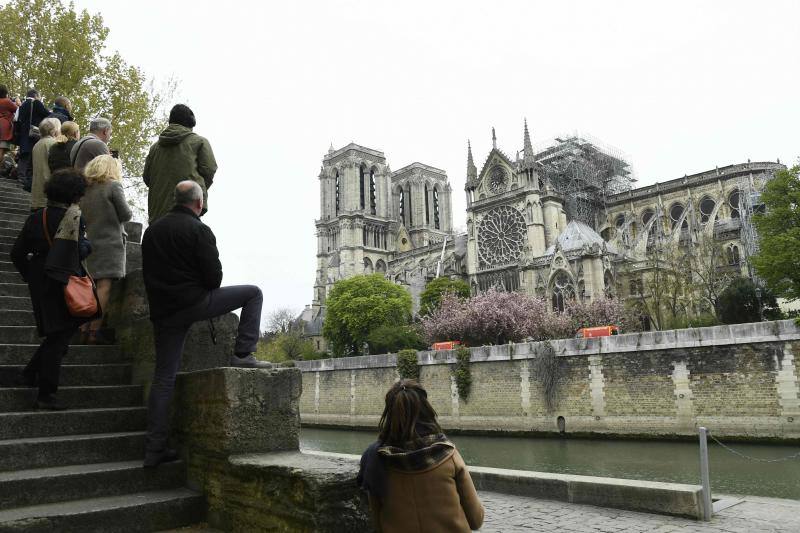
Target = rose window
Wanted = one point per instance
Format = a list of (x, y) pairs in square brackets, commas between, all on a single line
[(501, 236)]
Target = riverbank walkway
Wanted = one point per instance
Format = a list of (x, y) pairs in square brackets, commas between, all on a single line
[(513, 514), (751, 514)]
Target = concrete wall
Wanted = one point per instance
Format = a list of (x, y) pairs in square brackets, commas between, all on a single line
[(739, 380)]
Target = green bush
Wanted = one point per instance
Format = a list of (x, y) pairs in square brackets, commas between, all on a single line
[(407, 365), (393, 338), (462, 373), (284, 347), (738, 303), (431, 297)]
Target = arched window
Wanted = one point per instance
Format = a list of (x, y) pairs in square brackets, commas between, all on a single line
[(733, 202), (436, 208), (372, 196), (380, 266), (647, 216), (361, 185), (606, 234), (337, 192), (427, 207), (562, 290), (675, 214), (410, 208), (368, 266), (733, 255), (402, 206), (707, 206), (619, 221)]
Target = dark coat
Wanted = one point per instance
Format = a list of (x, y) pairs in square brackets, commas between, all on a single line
[(39, 113), (60, 113), (180, 262), (59, 155), (47, 293)]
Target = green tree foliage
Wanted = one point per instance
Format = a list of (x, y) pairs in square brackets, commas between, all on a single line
[(462, 373), (779, 232), (50, 46), (282, 347), (407, 365), (739, 303), (358, 305), (391, 338), (431, 297)]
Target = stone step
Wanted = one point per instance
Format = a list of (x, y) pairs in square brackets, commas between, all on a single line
[(20, 354), (10, 277), (5, 249), (29, 335), (72, 482), (15, 209), (14, 225), (17, 197), (9, 233), (89, 375), (8, 239), (16, 217), (21, 400), (16, 303), (141, 511), (17, 318), (14, 289), (43, 452), (42, 423)]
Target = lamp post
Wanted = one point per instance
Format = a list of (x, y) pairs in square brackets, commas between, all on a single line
[(760, 307)]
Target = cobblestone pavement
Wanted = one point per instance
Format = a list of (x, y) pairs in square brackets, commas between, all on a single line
[(516, 513)]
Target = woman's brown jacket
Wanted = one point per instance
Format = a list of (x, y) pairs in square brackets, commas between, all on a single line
[(441, 498)]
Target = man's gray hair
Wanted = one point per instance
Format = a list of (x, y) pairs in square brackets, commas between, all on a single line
[(187, 191), (99, 124), (50, 127)]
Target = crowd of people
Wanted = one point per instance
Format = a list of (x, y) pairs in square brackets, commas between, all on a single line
[(415, 477)]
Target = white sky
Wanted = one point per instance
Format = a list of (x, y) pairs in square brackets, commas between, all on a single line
[(678, 86)]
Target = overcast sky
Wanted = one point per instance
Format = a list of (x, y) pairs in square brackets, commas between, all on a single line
[(678, 87)]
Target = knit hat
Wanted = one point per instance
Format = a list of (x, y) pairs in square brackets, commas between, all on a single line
[(181, 114)]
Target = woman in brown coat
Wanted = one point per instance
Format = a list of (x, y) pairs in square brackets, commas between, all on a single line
[(416, 479)]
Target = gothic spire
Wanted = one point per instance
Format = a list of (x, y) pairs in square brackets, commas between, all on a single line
[(472, 171), (527, 156), (494, 139)]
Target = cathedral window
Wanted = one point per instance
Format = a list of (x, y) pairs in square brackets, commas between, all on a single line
[(372, 195), (620, 221), (563, 291), (436, 208), (402, 207), (675, 213), (733, 202), (337, 192), (733, 255), (410, 208), (501, 236), (427, 207), (707, 206), (361, 185)]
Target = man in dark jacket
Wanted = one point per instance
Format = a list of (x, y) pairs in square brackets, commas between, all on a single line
[(182, 276), (31, 113), (62, 109)]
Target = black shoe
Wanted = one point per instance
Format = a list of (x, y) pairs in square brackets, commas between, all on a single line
[(248, 361), (153, 459), (24, 381), (49, 402)]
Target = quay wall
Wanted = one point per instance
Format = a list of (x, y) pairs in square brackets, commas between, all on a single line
[(740, 381)]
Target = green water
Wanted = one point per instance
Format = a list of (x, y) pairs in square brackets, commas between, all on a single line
[(647, 460)]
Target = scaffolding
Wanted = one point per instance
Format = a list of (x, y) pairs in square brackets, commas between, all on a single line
[(749, 203), (585, 172)]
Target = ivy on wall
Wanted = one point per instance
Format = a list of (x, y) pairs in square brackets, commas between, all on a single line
[(462, 373), (547, 370), (407, 365)]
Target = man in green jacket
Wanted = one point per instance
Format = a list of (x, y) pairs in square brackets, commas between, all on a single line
[(178, 155)]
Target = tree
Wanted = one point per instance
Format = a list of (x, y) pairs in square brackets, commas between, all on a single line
[(50, 46), (779, 234), (281, 320), (358, 305), (740, 303), (393, 338), (710, 273), (431, 297)]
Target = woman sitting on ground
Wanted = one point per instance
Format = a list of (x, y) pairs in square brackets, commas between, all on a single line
[(46, 253), (105, 210), (58, 157), (415, 477)]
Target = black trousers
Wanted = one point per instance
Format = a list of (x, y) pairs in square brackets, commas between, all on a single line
[(45, 365), (170, 336), (25, 170)]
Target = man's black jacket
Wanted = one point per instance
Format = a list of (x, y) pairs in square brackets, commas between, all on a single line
[(180, 262)]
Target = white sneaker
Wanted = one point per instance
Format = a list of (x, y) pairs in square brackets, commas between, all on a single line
[(248, 362)]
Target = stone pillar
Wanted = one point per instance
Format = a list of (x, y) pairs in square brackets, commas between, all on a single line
[(684, 405), (551, 219), (786, 383)]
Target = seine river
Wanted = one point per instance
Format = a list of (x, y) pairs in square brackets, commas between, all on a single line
[(648, 460)]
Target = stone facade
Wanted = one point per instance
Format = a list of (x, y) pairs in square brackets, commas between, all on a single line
[(561, 221), (740, 381)]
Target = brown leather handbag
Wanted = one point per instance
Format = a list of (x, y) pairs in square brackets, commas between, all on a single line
[(80, 291)]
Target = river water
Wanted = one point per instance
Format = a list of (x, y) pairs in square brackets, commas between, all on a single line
[(676, 462)]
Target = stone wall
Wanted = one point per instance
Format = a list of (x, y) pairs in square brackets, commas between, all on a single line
[(741, 381)]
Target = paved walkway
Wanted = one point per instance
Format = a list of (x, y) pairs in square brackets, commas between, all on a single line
[(516, 513)]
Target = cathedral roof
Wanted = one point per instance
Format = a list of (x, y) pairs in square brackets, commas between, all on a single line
[(578, 235)]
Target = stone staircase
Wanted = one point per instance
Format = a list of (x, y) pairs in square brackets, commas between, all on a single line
[(80, 469)]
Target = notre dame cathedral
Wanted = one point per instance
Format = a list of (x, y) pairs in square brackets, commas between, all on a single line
[(562, 221)]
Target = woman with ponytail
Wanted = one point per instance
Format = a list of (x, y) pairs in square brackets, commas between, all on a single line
[(415, 478)]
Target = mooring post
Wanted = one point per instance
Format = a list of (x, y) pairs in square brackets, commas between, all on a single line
[(706, 480)]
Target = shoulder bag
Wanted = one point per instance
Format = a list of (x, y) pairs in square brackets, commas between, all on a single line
[(33, 131), (80, 292)]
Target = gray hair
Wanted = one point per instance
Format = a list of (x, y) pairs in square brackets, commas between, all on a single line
[(50, 127), (187, 191), (99, 124)]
